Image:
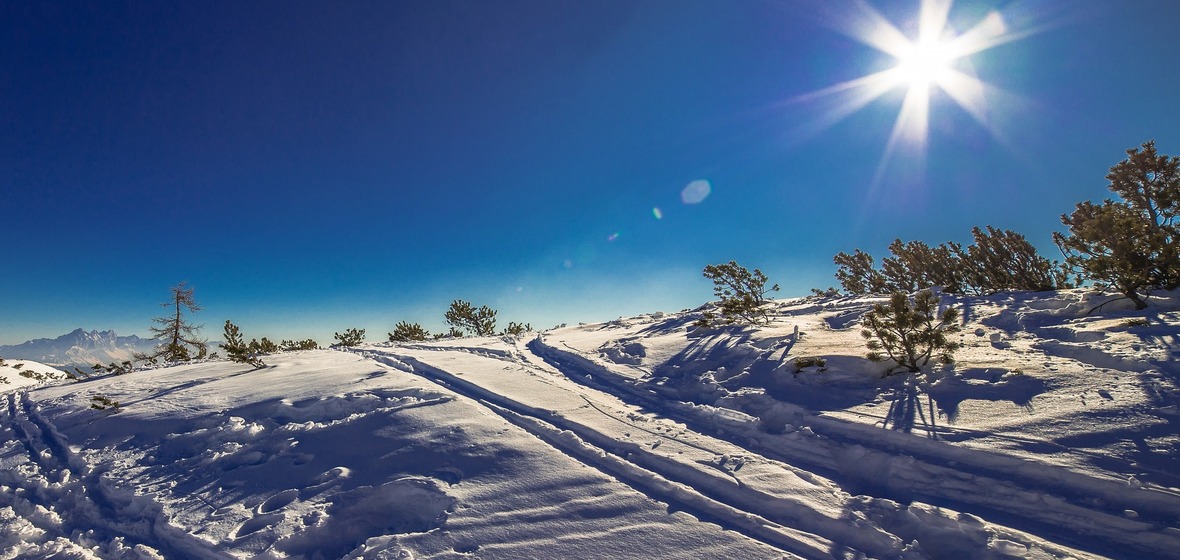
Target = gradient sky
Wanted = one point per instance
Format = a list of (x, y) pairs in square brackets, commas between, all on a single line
[(311, 166)]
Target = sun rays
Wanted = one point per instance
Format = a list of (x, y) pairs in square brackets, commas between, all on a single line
[(936, 60)]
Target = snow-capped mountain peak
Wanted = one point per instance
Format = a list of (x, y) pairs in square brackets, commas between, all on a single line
[(79, 347)]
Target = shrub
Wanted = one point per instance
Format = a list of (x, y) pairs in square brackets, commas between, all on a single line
[(237, 350), (114, 368), (478, 322), (1132, 244), (830, 292), (1001, 260), (406, 332), (907, 332), (264, 346), (351, 337), (292, 345), (916, 266), (809, 361), (101, 402), (857, 275), (516, 329), (742, 293), (452, 333)]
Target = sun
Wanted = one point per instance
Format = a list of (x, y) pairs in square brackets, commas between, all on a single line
[(923, 64), (936, 61)]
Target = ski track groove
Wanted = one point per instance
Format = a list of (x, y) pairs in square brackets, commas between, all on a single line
[(1010, 477), (84, 502), (619, 463)]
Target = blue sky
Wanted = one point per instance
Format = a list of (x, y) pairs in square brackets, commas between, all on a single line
[(313, 166)]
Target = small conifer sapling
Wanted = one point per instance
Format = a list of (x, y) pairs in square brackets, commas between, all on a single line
[(910, 333)]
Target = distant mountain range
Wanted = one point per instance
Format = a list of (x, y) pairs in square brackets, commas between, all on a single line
[(79, 348)]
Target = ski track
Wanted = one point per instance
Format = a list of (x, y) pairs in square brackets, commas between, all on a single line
[(1061, 505), (902, 466), (71, 505), (617, 460)]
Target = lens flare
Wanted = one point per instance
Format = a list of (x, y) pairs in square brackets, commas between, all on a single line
[(696, 192)]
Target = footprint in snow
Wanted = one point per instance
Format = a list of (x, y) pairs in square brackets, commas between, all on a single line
[(256, 524), (278, 501), (450, 475)]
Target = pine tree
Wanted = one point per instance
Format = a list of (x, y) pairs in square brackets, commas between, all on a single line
[(177, 334), (407, 332), (907, 332), (1132, 244), (351, 337), (516, 329), (917, 266), (857, 275), (1002, 260), (237, 350), (263, 347), (292, 345), (742, 293), (478, 322)]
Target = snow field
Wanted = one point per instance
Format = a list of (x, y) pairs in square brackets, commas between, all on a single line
[(1053, 436), (322, 455)]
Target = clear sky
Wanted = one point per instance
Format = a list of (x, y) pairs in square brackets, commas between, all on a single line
[(311, 166)]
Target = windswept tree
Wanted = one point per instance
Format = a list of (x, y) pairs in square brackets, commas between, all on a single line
[(476, 321), (1002, 260), (857, 275), (1131, 244), (914, 265), (176, 334), (742, 293), (999, 260)]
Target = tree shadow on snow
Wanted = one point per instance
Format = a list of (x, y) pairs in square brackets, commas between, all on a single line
[(950, 392), (845, 382), (907, 410), (671, 324), (710, 350)]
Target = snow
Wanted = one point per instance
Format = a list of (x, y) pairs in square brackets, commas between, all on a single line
[(1053, 436), (26, 373)]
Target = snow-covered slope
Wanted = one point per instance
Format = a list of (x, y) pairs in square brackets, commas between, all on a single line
[(79, 348), (1054, 436), (23, 373)]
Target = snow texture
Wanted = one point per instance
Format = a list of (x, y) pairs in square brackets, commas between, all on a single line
[(1053, 436)]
